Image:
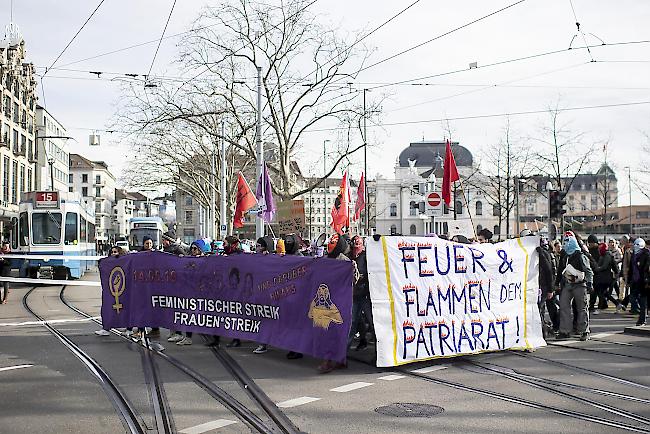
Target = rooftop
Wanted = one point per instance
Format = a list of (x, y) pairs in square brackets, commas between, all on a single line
[(432, 154)]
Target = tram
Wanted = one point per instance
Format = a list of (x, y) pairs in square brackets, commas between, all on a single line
[(55, 223), (139, 227)]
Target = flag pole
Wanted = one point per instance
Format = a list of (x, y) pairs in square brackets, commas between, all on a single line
[(469, 212)]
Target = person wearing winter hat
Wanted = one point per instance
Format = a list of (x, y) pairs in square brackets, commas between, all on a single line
[(576, 277), (604, 274), (337, 248), (171, 245), (637, 276)]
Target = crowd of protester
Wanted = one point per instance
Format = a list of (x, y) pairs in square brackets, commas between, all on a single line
[(576, 280)]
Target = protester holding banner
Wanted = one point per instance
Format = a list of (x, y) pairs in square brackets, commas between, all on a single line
[(115, 252), (361, 305), (232, 246), (337, 248), (576, 278)]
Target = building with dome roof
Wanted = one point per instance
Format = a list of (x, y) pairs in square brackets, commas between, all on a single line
[(399, 202)]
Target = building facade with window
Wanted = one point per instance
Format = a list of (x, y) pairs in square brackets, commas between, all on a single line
[(587, 194), (93, 180), (192, 218), (17, 125), (399, 203), (123, 211), (49, 148)]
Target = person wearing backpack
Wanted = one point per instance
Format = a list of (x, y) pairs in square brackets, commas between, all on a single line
[(576, 279), (638, 277)]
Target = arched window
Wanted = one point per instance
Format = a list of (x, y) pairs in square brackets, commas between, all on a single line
[(496, 210), (412, 230), (393, 210), (497, 230), (459, 207), (393, 229), (479, 208), (478, 228)]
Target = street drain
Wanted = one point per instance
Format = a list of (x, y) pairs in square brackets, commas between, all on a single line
[(409, 409)]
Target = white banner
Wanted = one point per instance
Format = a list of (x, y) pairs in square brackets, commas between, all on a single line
[(434, 298)]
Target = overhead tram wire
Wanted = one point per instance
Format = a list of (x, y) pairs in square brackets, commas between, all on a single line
[(366, 36), (411, 81), (408, 50), (71, 40), (405, 82), (161, 38), (491, 115)]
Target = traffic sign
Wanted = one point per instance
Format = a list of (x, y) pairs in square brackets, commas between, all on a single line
[(433, 204)]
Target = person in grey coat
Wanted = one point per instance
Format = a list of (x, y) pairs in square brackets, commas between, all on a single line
[(576, 280)]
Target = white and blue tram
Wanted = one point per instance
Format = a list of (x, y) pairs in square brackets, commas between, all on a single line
[(55, 223), (139, 227)]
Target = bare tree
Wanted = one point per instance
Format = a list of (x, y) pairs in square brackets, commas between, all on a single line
[(559, 154), (501, 164), (228, 43)]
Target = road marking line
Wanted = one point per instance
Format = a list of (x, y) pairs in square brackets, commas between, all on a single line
[(429, 369), (564, 343), (391, 377), (602, 335), (296, 402), (208, 426), (9, 368), (54, 321), (351, 386)]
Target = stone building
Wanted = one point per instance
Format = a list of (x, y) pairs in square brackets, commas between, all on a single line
[(94, 181), (17, 125), (399, 202), (52, 153)]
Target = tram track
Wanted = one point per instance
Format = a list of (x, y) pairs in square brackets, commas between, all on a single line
[(282, 422), (534, 382), (520, 401), (582, 370), (124, 408), (630, 356)]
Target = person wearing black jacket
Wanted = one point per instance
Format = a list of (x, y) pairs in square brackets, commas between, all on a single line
[(361, 306), (604, 274), (638, 276), (171, 245), (546, 285)]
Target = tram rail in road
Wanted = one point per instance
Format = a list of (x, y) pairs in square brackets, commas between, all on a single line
[(247, 416)]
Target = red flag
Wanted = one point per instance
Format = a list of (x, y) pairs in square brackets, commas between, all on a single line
[(340, 211), (245, 201), (450, 174), (361, 197)]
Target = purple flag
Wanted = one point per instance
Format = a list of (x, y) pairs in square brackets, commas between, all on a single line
[(295, 303), (265, 196)]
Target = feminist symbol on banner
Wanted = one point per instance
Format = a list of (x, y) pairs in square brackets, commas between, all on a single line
[(322, 310), (116, 285)]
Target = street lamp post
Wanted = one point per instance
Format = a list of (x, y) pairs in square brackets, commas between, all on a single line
[(50, 161), (325, 185), (50, 158), (629, 181)]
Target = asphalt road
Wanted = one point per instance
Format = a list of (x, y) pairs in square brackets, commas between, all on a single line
[(599, 386)]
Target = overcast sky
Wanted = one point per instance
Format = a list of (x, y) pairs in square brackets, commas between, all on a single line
[(619, 74)]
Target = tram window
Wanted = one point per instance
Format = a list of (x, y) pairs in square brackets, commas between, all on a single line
[(46, 228), (23, 224), (91, 232), (71, 228), (82, 231)]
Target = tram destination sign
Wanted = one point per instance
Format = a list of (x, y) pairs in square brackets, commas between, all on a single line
[(46, 199)]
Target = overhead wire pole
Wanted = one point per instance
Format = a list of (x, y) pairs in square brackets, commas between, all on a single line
[(259, 223), (224, 195), (365, 165)]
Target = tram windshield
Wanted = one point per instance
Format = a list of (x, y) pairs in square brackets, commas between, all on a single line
[(46, 228), (135, 239)]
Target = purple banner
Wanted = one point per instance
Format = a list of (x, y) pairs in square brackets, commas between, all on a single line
[(299, 304)]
